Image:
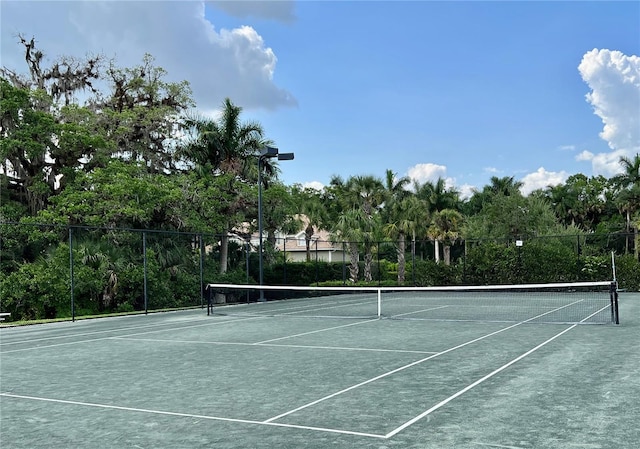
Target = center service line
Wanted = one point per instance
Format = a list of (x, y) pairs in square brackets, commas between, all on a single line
[(402, 368), (481, 380)]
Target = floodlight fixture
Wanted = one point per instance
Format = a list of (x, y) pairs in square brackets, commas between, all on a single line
[(285, 156), (269, 152)]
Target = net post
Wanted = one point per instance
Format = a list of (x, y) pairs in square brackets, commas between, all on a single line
[(614, 299), (379, 302), (615, 305), (208, 290), (613, 295)]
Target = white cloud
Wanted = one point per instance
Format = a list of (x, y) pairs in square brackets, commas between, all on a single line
[(608, 164), (429, 172), (234, 63), (567, 147), (466, 191), (316, 185), (585, 156), (426, 172), (614, 80), (541, 179), (491, 170)]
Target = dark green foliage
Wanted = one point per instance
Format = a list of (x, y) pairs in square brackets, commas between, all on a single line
[(542, 260), (430, 273), (108, 274), (537, 261), (628, 273), (301, 273)]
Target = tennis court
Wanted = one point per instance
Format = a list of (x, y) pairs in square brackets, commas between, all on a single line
[(190, 379)]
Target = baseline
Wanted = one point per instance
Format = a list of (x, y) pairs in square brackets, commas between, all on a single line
[(81, 334), (189, 415), (210, 323)]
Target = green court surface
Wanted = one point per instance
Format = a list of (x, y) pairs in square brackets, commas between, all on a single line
[(189, 380)]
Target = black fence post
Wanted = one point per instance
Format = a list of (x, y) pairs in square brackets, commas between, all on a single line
[(317, 268), (378, 261), (201, 271), (247, 252), (144, 264), (344, 265), (413, 260), (284, 261), (73, 305)]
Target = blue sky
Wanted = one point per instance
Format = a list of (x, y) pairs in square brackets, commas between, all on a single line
[(461, 90)]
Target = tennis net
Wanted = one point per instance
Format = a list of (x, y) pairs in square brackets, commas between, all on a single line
[(582, 302)]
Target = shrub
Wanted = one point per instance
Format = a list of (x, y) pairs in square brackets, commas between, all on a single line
[(429, 273), (628, 272)]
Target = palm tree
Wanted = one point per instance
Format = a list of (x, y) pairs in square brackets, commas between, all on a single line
[(404, 218), (499, 187), (395, 188), (346, 230), (445, 228), (400, 211), (311, 206), (506, 186), (227, 147), (437, 198), (562, 203), (356, 202), (631, 167), (367, 193)]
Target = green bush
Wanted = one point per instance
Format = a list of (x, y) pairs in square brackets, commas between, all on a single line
[(595, 268), (428, 273), (38, 290), (542, 261), (300, 273), (537, 261), (628, 272)]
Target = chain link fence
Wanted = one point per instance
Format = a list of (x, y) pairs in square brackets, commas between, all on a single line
[(52, 271)]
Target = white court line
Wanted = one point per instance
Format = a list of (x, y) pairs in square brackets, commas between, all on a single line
[(299, 305), (189, 415), (402, 368), (313, 308), (482, 379), (212, 323), (80, 334), (500, 446), (423, 310), (470, 386), (314, 332), (224, 343)]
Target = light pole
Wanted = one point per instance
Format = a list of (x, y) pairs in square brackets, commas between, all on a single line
[(265, 153)]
